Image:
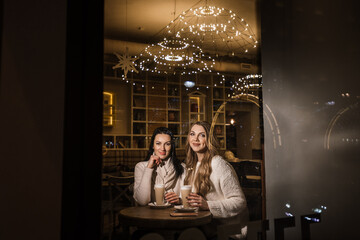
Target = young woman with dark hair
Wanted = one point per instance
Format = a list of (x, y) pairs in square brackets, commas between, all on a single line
[(160, 167)]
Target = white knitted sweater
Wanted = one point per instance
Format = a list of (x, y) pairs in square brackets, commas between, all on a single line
[(225, 198), (145, 178)]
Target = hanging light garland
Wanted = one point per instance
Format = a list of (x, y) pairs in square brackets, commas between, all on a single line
[(248, 85), (172, 56), (191, 42), (208, 20), (174, 52), (215, 29)]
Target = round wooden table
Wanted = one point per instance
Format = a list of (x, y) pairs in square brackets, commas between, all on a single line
[(146, 217)]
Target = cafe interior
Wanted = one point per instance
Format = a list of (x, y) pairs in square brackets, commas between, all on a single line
[(175, 63), (277, 81)]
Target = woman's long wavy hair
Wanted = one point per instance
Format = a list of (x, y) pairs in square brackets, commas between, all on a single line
[(201, 182), (179, 170)]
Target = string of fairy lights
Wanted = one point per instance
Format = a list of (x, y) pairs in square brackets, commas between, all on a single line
[(193, 41), (247, 86), (174, 56)]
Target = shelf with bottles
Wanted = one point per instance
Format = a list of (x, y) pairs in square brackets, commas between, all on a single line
[(139, 142), (219, 130), (174, 103), (177, 141), (139, 128), (139, 101), (195, 105), (108, 141), (174, 128), (117, 141), (122, 141), (139, 114), (156, 115), (174, 116), (185, 128)]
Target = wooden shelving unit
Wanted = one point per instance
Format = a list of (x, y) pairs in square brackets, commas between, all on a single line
[(161, 100), (156, 103), (218, 109)]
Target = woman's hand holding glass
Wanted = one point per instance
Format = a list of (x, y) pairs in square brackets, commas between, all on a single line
[(172, 197), (195, 200)]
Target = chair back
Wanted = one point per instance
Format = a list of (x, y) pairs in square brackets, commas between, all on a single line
[(114, 180), (123, 186)]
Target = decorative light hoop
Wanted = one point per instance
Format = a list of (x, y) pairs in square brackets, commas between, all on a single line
[(215, 28), (244, 82), (167, 67), (207, 19), (203, 27), (142, 65), (173, 58), (164, 57), (186, 61), (166, 44), (209, 27), (207, 11), (163, 48)]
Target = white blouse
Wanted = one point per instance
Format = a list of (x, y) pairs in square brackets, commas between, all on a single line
[(146, 178)]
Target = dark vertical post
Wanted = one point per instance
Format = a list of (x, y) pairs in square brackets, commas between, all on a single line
[(280, 224), (306, 220), (264, 228), (81, 196)]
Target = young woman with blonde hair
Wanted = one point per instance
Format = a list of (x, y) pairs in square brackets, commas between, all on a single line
[(215, 185)]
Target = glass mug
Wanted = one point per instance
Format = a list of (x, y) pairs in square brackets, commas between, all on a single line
[(185, 191), (159, 194)]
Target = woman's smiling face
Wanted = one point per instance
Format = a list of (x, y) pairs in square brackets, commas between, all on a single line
[(162, 146), (197, 138)]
